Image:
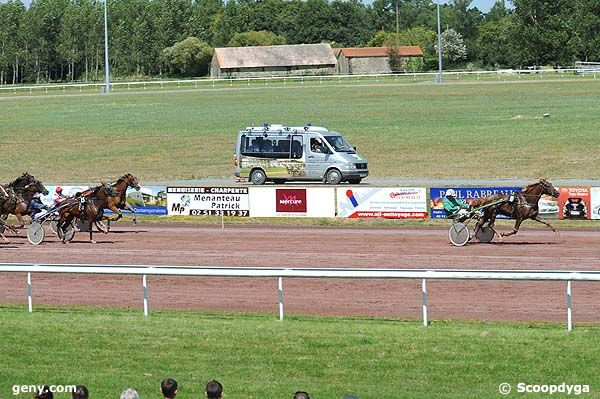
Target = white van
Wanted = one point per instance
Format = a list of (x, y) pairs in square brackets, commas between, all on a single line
[(280, 153)]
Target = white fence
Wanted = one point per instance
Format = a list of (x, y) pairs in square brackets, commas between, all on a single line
[(98, 87), (281, 273)]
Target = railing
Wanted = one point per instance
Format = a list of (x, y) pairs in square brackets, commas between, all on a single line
[(281, 273), (298, 80)]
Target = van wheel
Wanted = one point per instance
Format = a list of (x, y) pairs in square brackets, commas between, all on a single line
[(258, 177), (333, 176), (354, 181)]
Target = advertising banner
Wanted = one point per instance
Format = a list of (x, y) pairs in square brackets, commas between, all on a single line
[(595, 202), (467, 194), (150, 200), (199, 201), (316, 202), (574, 202), (386, 202)]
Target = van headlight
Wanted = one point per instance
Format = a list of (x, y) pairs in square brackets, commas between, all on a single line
[(350, 165)]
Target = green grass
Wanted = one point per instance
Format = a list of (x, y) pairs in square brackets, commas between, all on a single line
[(463, 130), (255, 356)]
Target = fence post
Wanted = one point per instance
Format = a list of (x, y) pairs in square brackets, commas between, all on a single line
[(569, 307), (145, 284), (424, 292), (29, 293), (280, 298)]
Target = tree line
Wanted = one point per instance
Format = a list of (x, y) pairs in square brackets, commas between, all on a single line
[(63, 40)]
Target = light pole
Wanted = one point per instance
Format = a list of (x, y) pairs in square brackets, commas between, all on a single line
[(440, 79), (106, 71)]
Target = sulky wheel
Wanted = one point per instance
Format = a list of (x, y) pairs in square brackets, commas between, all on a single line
[(485, 234), (54, 226), (35, 233), (69, 234), (459, 234)]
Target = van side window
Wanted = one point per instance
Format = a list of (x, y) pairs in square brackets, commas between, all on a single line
[(272, 147), (297, 147)]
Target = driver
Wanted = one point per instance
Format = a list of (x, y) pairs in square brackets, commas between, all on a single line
[(36, 207), (453, 206), (58, 197)]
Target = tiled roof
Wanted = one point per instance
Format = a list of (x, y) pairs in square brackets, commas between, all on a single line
[(275, 56)]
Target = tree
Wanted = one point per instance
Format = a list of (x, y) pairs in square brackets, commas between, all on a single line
[(543, 31), (497, 12), (495, 43), (351, 23), (453, 46), (190, 57), (584, 23), (419, 36), (253, 38), (11, 44)]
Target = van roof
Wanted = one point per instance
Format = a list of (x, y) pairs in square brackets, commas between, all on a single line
[(278, 128)]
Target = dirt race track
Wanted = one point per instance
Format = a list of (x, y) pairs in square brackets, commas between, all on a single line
[(313, 247)]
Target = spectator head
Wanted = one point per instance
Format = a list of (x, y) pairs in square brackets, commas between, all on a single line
[(80, 392), (44, 393), (129, 393), (301, 395), (168, 387), (214, 390)]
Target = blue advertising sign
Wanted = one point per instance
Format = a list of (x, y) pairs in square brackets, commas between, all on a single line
[(467, 194)]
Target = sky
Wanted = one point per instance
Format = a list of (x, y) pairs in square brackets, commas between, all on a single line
[(483, 5)]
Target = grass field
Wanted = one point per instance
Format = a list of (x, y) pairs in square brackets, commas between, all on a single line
[(255, 356), (460, 130)]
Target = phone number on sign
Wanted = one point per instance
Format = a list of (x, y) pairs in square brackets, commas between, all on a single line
[(207, 212)]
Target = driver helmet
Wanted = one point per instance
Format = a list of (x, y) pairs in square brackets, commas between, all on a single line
[(58, 190), (37, 195), (450, 193)]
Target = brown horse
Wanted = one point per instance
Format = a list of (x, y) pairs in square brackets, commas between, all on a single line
[(119, 201), (7, 199), (22, 188), (520, 206), (91, 210)]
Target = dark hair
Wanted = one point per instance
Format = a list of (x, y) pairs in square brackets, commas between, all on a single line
[(81, 392), (214, 390), (168, 387), (44, 393), (301, 395)]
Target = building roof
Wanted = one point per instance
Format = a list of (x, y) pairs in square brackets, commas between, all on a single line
[(403, 51), (275, 56)]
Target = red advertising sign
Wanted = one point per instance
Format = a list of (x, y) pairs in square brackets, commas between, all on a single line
[(574, 203), (290, 200)]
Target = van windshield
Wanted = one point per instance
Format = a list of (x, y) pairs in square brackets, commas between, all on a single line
[(339, 144)]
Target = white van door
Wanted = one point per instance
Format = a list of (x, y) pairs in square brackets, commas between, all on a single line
[(317, 157)]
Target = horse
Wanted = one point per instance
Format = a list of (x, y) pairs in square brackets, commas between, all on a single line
[(7, 199), (520, 206), (90, 209), (23, 188), (119, 201)]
